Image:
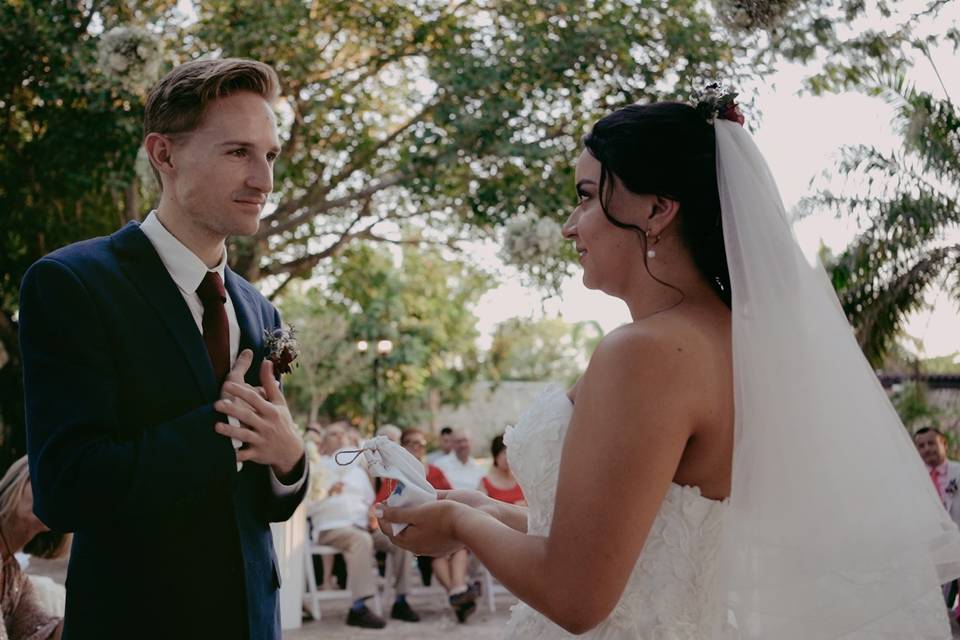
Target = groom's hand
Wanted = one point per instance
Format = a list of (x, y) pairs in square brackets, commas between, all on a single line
[(267, 428)]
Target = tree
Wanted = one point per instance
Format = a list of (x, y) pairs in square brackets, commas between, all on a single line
[(444, 117), (907, 202), (328, 355), (546, 349), (68, 141), (423, 304), (420, 121)]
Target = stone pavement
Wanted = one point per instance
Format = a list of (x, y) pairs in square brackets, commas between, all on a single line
[(436, 622)]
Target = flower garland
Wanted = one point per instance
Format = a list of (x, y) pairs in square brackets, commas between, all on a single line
[(130, 56)]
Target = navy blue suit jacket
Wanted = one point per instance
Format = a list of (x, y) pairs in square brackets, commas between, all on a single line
[(170, 540)]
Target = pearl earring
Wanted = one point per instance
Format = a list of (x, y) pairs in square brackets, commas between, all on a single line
[(650, 252)]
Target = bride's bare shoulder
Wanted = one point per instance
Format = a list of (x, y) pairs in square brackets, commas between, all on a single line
[(682, 345)]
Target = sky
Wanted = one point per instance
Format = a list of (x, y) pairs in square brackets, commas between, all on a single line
[(800, 136)]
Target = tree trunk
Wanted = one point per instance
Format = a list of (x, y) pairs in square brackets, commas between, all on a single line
[(434, 401), (131, 201)]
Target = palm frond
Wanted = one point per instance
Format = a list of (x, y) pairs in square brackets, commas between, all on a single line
[(878, 296), (931, 131)]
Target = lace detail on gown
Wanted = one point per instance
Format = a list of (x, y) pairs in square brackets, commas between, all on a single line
[(671, 593)]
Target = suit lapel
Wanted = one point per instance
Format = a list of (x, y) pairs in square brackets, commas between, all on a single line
[(251, 326), (145, 270)]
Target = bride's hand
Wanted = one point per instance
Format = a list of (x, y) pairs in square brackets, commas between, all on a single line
[(514, 516), (430, 530), (469, 497)]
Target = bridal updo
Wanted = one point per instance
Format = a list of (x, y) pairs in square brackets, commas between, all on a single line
[(667, 149)]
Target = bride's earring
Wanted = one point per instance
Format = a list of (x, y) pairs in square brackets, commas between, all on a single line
[(650, 252)]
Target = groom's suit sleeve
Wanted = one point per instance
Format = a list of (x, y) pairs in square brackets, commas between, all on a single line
[(83, 474)]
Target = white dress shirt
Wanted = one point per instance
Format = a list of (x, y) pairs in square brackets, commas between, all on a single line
[(461, 475), (187, 272)]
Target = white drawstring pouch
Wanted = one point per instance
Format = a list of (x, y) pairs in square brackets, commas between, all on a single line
[(387, 459)]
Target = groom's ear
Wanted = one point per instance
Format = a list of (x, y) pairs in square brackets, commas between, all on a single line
[(159, 150), (663, 212)]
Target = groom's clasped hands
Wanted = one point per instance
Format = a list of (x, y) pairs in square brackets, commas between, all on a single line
[(266, 429)]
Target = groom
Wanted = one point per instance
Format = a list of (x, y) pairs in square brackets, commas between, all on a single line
[(144, 364)]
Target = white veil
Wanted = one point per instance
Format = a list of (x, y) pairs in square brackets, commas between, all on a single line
[(834, 529)]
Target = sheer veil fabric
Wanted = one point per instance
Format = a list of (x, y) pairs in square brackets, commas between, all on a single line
[(834, 529)]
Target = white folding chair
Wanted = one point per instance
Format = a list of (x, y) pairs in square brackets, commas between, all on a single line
[(491, 588)]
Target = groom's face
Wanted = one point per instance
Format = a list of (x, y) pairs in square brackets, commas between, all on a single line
[(224, 168)]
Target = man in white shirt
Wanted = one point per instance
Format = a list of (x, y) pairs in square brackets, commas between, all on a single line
[(461, 469), (446, 446), (343, 520), (144, 357)]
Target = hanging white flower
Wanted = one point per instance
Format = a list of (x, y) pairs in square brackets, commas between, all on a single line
[(131, 57), (750, 15), (530, 240)]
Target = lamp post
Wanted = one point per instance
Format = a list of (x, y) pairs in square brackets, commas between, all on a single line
[(384, 347)]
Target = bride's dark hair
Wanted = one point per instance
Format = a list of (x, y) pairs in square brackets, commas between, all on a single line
[(667, 149)]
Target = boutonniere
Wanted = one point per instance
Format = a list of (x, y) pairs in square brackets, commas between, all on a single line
[(282, 348), (951, 487)]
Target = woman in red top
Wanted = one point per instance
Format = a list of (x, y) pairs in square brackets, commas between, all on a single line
[(499, 482)]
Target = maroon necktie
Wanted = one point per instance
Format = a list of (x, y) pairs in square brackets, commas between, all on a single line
[(216, 330)]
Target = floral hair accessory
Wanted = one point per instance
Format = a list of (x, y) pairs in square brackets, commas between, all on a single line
[(282, 348), (716, 101)]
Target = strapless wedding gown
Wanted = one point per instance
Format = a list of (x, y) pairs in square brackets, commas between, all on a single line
[(671, 593)]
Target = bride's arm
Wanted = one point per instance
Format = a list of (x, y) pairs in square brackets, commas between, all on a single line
[(511, 515), (634, 414)]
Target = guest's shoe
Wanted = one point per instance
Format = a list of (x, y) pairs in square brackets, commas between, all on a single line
[(365, 619), (463, 605), (402, 611), (462, 598), (465, 610)]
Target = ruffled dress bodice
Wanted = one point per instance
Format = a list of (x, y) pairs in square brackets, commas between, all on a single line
[(671, 593)]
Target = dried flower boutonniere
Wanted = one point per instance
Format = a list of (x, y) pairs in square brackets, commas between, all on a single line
[(951, 488), (282, 348)]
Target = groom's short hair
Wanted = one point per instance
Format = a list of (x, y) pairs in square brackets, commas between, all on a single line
[(179, 101)]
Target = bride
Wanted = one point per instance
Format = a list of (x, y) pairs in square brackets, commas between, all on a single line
[(728, 465)]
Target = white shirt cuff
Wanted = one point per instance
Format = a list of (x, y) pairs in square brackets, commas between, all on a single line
[(281, 490)]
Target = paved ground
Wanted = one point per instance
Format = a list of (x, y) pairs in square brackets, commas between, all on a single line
[(436, 622)]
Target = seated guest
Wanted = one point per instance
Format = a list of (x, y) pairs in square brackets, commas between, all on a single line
[(461, 469), (446, 445), (499, 482), (391, 431), (21, 613), (343, 520), (451, 572)]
